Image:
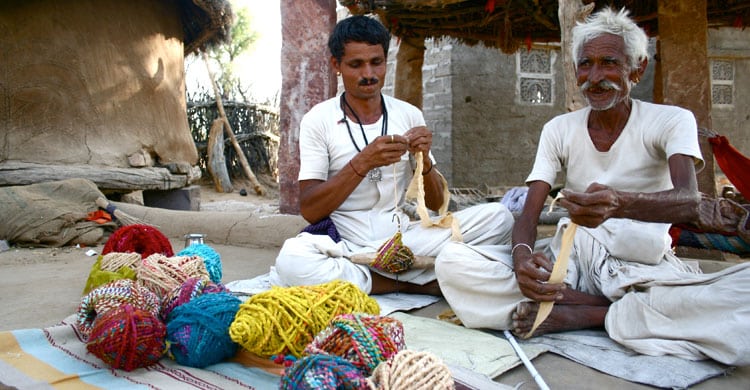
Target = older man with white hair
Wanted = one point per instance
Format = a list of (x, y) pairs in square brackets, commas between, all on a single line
[(630, 172)]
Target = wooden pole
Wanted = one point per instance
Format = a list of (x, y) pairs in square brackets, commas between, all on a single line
[(259, 189), (569, 12)]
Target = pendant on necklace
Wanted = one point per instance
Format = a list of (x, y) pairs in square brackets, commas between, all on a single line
[(375, 175)]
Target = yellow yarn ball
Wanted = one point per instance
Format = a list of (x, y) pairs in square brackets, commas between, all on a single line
[(284, 320)]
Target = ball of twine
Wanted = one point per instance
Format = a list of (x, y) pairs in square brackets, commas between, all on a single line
[(323, 372), (112, 266), (127, 338), (162, 274), (284, 320), (412, 370), (210, 257), (197, 331), (191, 288), (363, 340), (143, 239), (393, 256), (110, 296)]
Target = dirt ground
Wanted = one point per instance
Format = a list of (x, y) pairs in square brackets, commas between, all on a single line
[(41, 286)]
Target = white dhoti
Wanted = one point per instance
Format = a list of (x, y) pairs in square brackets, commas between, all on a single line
[(313, 259), (666, 308)]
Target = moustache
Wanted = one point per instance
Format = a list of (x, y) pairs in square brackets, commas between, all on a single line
[(604, 84), (368, 81)]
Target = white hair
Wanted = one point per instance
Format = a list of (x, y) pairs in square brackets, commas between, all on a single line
[(608, 21)]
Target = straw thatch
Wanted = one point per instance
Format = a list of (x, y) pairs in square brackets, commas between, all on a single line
[(510, 24), (205, 23)]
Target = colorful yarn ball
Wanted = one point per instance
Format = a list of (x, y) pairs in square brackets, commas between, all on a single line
[(323, 372), (210, 257), (284, 320), (190, 289), (110, 267), (198, 331), (363, 340), (393, 256), (413, 370), (143, 239), (162, 274), (110, 296), (127, 338)]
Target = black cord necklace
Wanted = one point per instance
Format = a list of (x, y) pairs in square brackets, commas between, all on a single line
[(373, 175)]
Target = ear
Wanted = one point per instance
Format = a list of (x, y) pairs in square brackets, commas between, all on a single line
[(335, 65), (638, 72)]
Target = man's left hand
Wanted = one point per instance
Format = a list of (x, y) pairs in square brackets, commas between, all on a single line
[(593, 207), (420, 140)]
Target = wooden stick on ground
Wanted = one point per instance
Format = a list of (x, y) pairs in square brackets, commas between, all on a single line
[(259, 189), (368, 258)]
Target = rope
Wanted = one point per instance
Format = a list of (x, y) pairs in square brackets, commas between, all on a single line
[(416, 191), (412, 370), (284, 320), (559, 270)]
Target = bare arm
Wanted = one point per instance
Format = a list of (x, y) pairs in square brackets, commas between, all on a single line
[(600, 202)]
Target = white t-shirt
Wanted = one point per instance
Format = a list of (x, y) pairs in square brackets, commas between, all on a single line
[(326, 147), (636, 162)]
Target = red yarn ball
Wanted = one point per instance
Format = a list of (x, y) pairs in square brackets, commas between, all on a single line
[(127, 338), (143, 239)]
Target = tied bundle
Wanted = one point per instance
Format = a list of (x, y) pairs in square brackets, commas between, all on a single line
[(110, 267), (393, 256), (210, 257), (162, 274), (363, 340), (315, 372), (412, 370), (191, 288), (284, 320), (197, 331), (127, 338), (143, 239), (110, 296)]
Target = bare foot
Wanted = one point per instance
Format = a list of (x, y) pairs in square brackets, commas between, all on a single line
[(562, 318), (383, 285)]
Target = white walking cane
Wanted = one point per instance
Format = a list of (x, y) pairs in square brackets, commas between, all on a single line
[(526, 362)]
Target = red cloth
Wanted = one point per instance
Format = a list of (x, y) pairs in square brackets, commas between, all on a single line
[(733, 163)]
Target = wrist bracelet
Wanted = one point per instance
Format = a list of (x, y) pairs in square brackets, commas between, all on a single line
[(428, 171), (355, 171), (512, 251)]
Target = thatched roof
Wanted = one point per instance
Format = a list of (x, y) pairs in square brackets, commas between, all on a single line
[(507, 24), (205, 23)]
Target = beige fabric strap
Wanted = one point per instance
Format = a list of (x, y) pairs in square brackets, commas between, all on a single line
[(559, 270), (416, 191)]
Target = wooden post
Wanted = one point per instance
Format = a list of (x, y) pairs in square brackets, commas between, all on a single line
[(684, 77), (569, 12), (259, 189), (306, 79), (217, 164), (409, 60)]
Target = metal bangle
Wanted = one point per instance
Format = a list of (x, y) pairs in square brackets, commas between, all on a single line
[(512, 251)]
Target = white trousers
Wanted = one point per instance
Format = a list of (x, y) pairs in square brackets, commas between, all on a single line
[(664, 309), (314, 259)]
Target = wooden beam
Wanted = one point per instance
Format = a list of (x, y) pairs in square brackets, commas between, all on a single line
[(13, 173), (306, 79), (409, 60), (569, 12)]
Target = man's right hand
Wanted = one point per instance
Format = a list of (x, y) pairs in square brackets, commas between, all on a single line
[(532, 273)]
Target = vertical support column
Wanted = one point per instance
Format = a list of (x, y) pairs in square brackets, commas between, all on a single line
[(569, 12), (409, 60), (306, 79), (683, 70)]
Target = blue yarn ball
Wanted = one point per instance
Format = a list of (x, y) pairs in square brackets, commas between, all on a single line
[(210, 257), (198, 331), (318, 371)]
